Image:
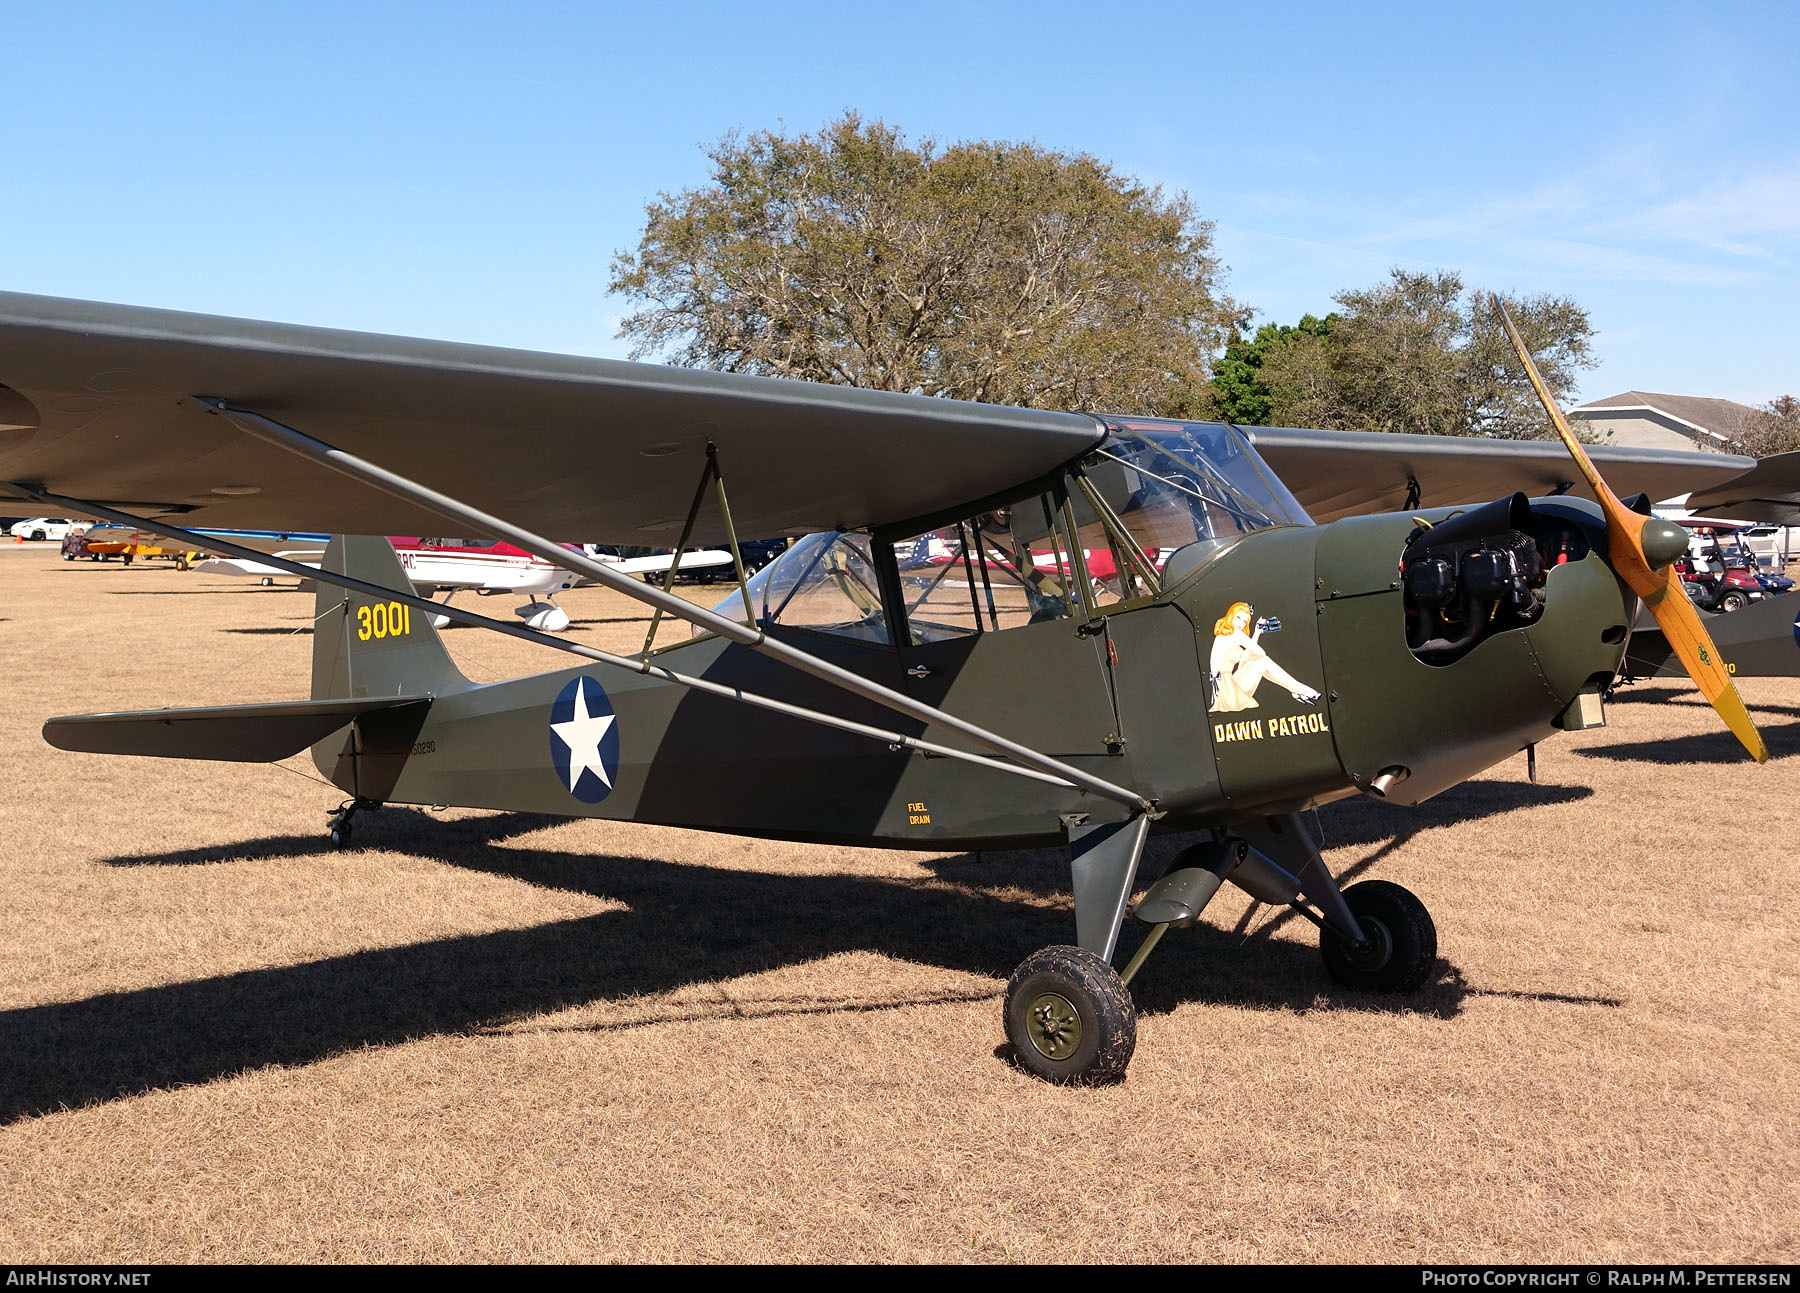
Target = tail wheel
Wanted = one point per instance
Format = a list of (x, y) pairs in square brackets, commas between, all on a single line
[(1401, 951), (1070, 1018)]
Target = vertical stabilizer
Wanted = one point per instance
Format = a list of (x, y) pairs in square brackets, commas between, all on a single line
[(368, 648)]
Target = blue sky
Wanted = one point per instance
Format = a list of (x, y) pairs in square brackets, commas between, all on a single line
[(468, 170)]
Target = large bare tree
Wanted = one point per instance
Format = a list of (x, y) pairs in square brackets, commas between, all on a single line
[(999, 272), (1771, 429)]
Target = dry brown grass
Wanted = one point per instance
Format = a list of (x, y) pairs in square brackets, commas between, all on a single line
[(488, 1036)]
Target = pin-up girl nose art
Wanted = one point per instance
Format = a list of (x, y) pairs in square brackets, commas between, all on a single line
[(1239, 662)]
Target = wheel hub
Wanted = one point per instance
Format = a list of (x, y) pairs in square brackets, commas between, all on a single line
[(1054, 1025), (1373, 954)]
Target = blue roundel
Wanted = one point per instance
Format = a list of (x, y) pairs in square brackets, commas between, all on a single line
[(584, 740)]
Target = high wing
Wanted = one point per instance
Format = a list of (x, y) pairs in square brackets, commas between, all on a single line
[(101, 402), (1770, 493), (1345, 473)]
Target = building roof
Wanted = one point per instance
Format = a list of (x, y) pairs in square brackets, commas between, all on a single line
[(1721, 419)]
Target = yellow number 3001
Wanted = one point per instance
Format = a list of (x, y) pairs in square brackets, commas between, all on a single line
[(383, 620)]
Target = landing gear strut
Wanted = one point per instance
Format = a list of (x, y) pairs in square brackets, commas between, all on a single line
[(1067, 1012), (1069, 1015), (340, 819)]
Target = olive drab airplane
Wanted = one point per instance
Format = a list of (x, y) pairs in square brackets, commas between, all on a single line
[(1001, 627)]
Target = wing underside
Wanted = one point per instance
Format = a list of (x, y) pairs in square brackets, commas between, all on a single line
[(1349, 473), (102, 403), (1770, 493)]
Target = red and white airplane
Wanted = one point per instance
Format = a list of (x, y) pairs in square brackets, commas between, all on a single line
[(487, 567)]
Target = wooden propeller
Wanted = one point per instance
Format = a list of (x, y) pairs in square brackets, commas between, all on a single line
[(1658, 585)]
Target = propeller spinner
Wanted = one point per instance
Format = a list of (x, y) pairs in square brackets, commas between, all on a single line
[(1643, 551)]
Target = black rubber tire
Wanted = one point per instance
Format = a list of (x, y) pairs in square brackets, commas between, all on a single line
[(38, 536), (1400, 922), (340, 836), (1732, 601), (1108, 1019), (125, 557)]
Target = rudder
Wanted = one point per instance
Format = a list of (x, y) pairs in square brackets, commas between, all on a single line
[(363, 647)]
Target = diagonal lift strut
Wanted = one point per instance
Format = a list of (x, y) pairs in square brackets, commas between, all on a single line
[(368, 473), (524, 634)]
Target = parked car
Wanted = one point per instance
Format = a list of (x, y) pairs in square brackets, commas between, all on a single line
[(39, 528)]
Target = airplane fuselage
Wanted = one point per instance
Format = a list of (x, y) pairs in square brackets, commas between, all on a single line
[(1308, 694)]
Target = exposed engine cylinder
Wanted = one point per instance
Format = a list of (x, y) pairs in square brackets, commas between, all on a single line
[(1478, 573)]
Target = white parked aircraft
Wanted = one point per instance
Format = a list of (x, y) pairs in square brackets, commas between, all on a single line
[(485, 566)]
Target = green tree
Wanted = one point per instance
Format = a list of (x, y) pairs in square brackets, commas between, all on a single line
[(1240, 393), (983, 271), (1417, 354)]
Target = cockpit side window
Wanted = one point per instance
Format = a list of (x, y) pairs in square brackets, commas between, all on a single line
[(998, 570), (825, 582)]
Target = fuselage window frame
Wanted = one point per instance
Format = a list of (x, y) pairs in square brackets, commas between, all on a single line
[(1051, 494)]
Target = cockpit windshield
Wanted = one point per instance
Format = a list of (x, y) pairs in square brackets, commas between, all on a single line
[(1182, 490)]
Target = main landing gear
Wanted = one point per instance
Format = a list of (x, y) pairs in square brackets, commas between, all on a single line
[(545, 616), (1069, 1014), (1070, 1017)]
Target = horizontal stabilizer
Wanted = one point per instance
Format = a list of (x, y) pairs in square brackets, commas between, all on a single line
[(233, 733), (1760, 641)]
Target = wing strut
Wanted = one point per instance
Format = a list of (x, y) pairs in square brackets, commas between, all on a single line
[(708, 474), (643, 666), (368, 473)]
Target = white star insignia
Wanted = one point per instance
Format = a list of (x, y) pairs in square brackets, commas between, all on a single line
[(583, 734)]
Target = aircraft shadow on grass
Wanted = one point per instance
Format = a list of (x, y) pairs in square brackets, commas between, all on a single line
[(1641, 695), (683, 925), (1783, 740)]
